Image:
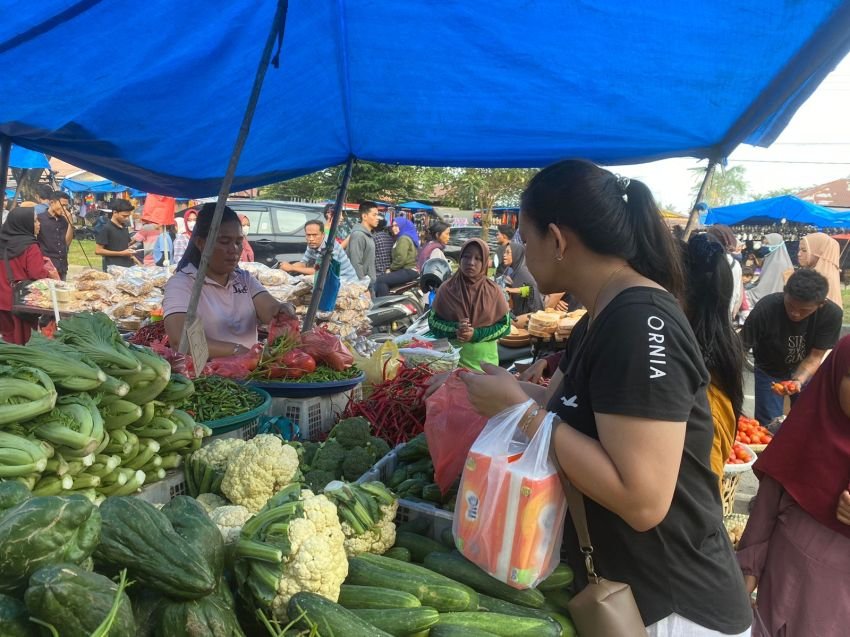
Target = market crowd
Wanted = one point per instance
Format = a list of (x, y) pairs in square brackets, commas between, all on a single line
[(646, 395)]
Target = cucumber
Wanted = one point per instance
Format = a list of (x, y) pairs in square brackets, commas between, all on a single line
[(445, 630), (502, 625), (424, 465), (352, 596), (561, 577), (448, 538), (568, 629), (418, 545), (468, 573), (559, 599), (415, 449), (444, 595), (432, 493), (330, 618), (495, 605), (398, 553), (397, 477), (400, 622)]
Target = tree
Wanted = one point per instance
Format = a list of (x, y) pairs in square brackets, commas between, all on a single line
[(369, 181), (779, 192), (725, 187), (484, 188)]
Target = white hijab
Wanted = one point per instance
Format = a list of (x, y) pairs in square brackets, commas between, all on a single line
[(773, 270)]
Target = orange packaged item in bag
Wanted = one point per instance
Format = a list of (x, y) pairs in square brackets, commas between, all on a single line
[(509, 518)]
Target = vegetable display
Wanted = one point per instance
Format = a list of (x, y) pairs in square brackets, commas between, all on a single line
[(738, 455), (396, 407), (413, 476)]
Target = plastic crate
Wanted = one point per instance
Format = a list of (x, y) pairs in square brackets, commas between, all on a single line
[(437, 519), (161, 492), (244, 432), (315, 416)]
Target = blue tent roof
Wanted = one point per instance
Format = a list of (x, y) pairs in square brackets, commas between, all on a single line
[(102, 186), (789, 208), (25, 158), (614, 82), (415, 205)]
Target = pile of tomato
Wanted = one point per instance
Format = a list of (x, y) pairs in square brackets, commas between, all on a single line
[(738, 455), (750, 432)]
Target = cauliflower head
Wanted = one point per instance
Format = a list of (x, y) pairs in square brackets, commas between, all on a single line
[(230, 520), (378, 539), (258, 470), (317, 561), (218, 453), (210, 501)]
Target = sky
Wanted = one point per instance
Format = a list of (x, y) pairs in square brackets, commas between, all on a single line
[(818, 133)]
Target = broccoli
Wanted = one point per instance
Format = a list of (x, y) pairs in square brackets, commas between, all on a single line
[(379, 447), (357, 462), (351, 432), (317, 480), (310, 449), (329, 457)]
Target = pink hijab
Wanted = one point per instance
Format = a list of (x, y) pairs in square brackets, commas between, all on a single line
[(827, 252)]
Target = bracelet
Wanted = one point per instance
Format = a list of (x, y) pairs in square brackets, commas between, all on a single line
[(528, 418)]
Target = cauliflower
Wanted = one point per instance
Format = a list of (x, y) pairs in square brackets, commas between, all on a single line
[(216, 454), (230, 520), (313, 552), (258, 470), (378, 539), (210, 501)]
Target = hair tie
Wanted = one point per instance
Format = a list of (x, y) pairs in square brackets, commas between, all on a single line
[(623, 185)]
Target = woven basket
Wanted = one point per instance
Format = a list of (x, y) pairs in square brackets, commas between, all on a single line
[(730, 486)]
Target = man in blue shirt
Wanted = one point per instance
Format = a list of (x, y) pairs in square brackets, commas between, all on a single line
[(314, 233)]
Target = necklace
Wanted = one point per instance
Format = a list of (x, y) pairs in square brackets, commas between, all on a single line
[(603, 287)]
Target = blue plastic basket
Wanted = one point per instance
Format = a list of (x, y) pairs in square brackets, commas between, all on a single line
[(307, 390)]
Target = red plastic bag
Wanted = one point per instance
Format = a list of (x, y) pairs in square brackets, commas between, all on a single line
[(451, 426), (238, 366), (287, 327), (180, 363), (326, 348)]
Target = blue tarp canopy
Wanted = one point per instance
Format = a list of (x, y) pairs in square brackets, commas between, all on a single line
[(496, 85), (415, 205), (25, 158), (774, 209), (102, 186)]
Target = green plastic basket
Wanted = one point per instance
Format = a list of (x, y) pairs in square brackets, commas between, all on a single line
[(249, 418)]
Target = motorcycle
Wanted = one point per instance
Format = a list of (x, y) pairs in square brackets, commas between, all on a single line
[(406, 311)]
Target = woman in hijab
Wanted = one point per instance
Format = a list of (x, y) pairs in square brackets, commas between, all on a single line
[(22, 261), (403, 267), (247, 250), (470, 309), (724, 236), (525, 298), (776, 264), (796, 547), (820, 252), (440, 233)]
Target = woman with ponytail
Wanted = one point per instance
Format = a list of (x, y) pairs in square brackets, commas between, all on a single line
[(633, 429)]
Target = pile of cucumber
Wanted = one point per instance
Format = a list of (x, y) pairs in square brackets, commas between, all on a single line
[(413, 476), (445, 595)]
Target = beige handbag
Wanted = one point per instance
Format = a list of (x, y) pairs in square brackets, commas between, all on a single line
[(603, 608)]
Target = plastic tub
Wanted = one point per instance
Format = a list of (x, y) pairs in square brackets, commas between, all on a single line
[(249, 419)]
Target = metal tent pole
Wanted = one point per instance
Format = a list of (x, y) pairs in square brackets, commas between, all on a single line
[(327, 257), (693, 220), (275, 33), (5, 152)]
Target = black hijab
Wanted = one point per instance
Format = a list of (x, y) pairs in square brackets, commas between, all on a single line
[(18, 232), (520, 276)]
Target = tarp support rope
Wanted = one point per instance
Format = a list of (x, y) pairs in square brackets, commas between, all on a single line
[(5, 152), (327, 257), (693, 220), (278, 24)]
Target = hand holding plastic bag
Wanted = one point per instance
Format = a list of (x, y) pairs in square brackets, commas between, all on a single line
[(509, 518), (451, 426)]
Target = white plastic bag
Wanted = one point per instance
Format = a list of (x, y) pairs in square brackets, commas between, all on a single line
[(509, 518)]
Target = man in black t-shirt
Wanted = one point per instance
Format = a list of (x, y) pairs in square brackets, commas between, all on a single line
[(113, 241), (790, 332)]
